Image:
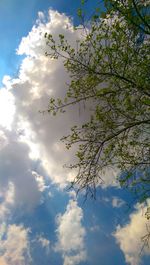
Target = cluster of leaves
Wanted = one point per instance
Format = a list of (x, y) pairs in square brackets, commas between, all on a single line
[(110, 68), (135, 12)]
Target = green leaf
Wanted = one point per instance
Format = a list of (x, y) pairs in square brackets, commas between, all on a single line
[(146, 101)]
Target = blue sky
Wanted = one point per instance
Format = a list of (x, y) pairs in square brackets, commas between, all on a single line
[(41, 222)]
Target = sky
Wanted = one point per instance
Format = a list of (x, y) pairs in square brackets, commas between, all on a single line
[(41, 221)]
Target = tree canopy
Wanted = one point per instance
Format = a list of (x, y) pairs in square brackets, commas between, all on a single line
[(135, 12), (110, 68)]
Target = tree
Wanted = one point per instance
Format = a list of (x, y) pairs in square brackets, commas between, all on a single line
[(135, 12), (110, 68)]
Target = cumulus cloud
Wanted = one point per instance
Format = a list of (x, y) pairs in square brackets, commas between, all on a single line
[(34, 136), (129, 236), (30, 138), (36, 82), (71, 235), (27, 138), (14, 245)]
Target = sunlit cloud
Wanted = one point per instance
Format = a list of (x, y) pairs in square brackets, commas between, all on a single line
[(14, 245), (129, 236), (7, 108), (71, 233)]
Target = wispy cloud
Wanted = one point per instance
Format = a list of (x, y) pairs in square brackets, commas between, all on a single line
[(44, 242), (117, 202)]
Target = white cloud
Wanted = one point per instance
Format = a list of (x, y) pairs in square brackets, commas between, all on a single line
[(14, 246), (7, 108), (117, 202), (71, 235), (7, 201), (109, 177), (34, 44), (40, 78), (16, 170), (25, 134), (44, 242), (129, 236), (3, 139), (95, 228), (40, 181), (37, 80), (33, 136)]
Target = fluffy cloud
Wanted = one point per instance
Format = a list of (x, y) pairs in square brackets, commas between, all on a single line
[(14, 245), (34, 136), (30, 141), (129, 236), (7, 107), (71, 235), (37, 81), (26, 136), (40, 78), (30, 144)]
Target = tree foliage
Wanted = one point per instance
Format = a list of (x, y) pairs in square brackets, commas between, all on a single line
[(135, 12), (110, 68)]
